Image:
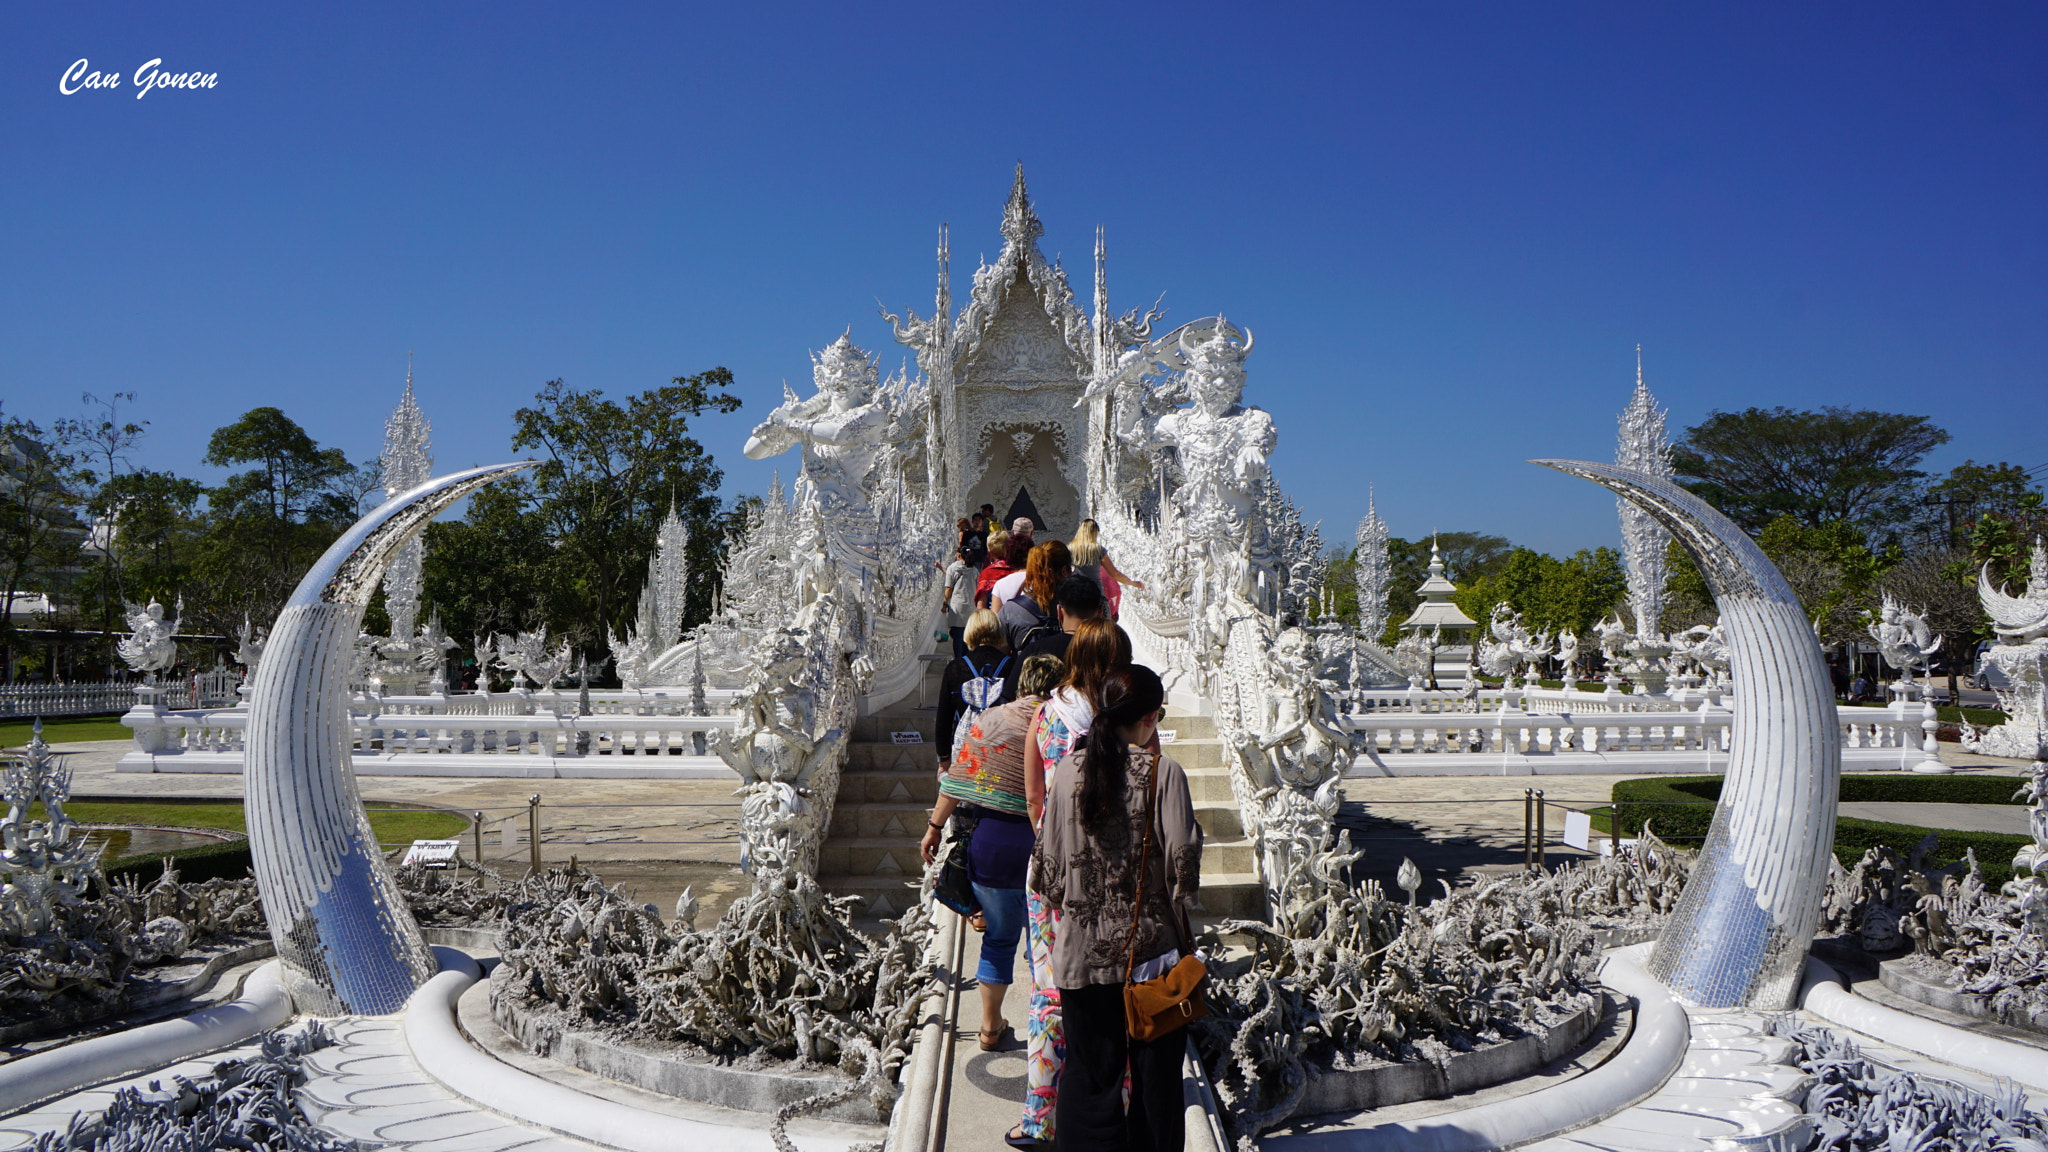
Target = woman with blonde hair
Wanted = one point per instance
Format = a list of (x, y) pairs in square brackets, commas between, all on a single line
[(1098, 647), (997, 567), (964, 688), (1092, 560)]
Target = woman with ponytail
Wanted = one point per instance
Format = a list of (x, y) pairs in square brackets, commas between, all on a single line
[(1090, 865), (1097, 648)]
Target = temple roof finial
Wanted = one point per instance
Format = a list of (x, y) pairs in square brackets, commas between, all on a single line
[(1020, 224)]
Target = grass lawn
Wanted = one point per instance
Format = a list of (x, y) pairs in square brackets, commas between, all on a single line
[(392, 826), (57, 729), (1949, 714)]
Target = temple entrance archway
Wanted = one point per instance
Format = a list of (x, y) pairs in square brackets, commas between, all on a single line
[(1028, 459)]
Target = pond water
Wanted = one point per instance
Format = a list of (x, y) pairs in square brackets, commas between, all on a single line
[(121, 843)]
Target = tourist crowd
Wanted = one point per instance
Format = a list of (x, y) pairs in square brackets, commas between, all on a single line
[(1080, 835)]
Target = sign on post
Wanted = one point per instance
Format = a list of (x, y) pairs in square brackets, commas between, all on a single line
[(432, 853), (1578, 831)]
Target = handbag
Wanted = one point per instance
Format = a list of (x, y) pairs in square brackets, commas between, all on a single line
[(1159, 1006), (954, 885)]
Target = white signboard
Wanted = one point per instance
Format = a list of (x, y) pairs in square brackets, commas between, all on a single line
[(432, 853), (1168, 735), (1578, 830), (907, 737)]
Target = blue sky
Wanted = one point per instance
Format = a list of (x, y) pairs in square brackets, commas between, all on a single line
[(1448, 225)]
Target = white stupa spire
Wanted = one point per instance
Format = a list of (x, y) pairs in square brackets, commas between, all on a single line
[(1644, 445)]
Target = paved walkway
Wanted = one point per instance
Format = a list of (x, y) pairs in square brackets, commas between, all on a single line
[(2011, 819), (654, 836)]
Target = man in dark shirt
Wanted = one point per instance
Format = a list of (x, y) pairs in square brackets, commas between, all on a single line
[(1077, 598)]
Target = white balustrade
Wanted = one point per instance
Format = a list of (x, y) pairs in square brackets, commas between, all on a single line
[(444, 743), (1599, 741)]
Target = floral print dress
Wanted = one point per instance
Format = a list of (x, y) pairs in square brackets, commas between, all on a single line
[(1047, 1039)]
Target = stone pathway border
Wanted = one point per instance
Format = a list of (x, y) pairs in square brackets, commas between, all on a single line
[(57, 1071)]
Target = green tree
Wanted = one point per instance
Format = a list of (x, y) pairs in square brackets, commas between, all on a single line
[(611, 472), (484, 574), (264, 526), (1832, 569), (103, 441), (1554, 596), (1836, 465), (40, 492), (1972, 491)]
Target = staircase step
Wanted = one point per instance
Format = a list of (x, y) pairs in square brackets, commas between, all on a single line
[(1210, 785), (868, 756), (903, 818), (869, 856), (1226, 856), (1220, 822), (1233, 894)]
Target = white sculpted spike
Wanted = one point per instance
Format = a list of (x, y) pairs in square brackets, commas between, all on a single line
[(669, 570), (408, 461), (1374, 572), (1643, 445), (348, 944), (2021, 624), (1739, 935)]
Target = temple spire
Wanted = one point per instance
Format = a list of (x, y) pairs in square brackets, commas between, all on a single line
[(1102, 321), (1021, 228), (942, 303)]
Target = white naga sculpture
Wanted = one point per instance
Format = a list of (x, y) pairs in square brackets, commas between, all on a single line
[(249, 648), (780, 762), (150, 649), (1903, 639), (2021, 624)]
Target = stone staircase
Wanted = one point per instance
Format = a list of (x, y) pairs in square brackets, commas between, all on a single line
[(887, 790)]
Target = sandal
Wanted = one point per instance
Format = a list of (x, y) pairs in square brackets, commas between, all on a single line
[(1017, 1138), (988, 1045), (978, 922)]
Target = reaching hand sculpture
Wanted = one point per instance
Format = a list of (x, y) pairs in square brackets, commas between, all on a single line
[(1739, 935), (348, 944)]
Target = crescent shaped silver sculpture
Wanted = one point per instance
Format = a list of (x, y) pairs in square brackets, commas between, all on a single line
[(348, 943), (1739, 935)]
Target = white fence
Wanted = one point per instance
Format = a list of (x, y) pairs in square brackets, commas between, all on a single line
[(1517, 743), (210, 689), (541, 744)]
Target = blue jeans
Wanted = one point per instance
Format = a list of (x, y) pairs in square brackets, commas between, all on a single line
[(1003, 909), (959, 641)]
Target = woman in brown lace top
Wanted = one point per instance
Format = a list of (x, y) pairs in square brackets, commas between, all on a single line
[(1087, 867)]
